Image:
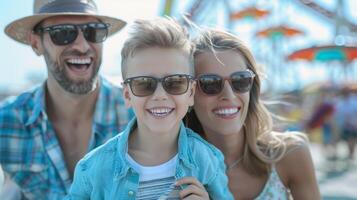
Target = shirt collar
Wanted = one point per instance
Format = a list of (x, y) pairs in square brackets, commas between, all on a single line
[(39, 104), (106, 108), (103, 117)]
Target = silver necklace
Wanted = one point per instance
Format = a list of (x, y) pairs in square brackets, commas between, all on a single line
[(235, 163)]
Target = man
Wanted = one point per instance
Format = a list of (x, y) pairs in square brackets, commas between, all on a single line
[(45, 131)]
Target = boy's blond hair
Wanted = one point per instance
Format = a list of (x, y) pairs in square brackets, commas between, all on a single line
[(162, 32)]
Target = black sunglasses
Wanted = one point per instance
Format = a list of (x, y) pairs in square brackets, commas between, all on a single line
[(213, 84), (64, 34), (175, 84)]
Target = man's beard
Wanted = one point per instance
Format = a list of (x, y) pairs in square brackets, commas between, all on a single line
[(75, 87)]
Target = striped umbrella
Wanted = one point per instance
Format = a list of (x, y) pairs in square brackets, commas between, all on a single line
[(279, 31), (249, 13), (326, 53)]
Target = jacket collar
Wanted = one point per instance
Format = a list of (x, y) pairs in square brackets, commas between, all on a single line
[(121, 169)]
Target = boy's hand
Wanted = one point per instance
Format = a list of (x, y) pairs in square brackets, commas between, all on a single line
[(194, 190)]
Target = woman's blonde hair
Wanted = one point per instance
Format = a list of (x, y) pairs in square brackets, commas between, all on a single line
[(262, 146), (163, 32)]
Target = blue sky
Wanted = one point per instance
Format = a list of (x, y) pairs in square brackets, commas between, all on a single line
[(20, 64)]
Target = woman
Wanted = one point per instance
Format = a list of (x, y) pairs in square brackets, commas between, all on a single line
[(228, 112)]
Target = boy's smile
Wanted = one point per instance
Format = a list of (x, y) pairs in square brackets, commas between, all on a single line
[(159, 112)]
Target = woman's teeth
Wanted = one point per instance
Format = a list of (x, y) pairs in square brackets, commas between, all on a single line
[(226, 111)]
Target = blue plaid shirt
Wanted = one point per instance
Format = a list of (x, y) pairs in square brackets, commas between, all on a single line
[(30, 152)]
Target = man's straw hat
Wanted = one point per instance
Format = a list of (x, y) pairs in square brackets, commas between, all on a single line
[(19, 29)]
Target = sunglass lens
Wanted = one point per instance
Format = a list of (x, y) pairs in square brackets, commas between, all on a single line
[(210, 84), (95, 32), (241, 81), (143, 86), (176, 84), (63, 35)]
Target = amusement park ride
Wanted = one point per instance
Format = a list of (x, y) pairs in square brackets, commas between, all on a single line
[(342, 50)]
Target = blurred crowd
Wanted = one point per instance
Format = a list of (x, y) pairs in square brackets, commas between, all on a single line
[(327, 113)]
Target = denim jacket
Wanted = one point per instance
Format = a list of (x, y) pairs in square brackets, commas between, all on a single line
[(104, 173)]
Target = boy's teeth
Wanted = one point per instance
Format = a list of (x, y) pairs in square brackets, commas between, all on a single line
[(226, 111), (160, 111), (84, 61)]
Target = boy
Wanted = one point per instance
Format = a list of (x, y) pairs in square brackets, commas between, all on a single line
[(150, 159)]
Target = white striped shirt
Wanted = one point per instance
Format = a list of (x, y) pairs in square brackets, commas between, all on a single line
[(156, 182)]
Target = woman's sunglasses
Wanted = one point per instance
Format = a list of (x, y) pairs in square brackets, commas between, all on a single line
[(64, 34), (213, 84), (142, 86)]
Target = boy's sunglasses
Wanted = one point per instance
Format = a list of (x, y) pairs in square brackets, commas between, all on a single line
[(175, 84), (64, 34), (213, 84)]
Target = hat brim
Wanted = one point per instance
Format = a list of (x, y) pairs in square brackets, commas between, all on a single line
[(20, 29)]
